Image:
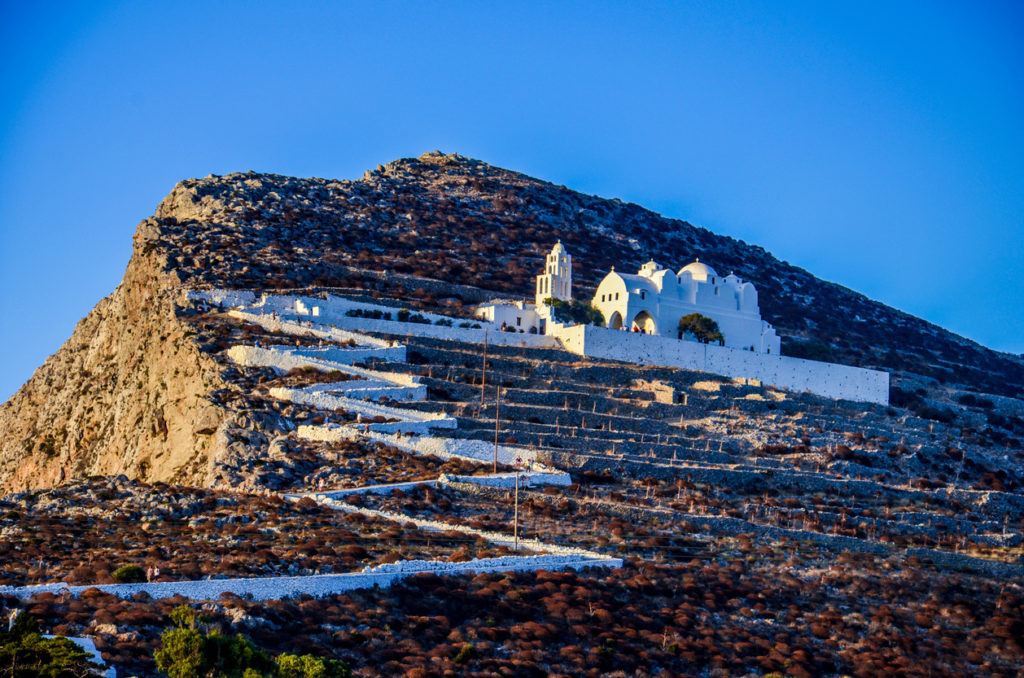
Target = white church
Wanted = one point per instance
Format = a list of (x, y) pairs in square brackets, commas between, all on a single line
[(650, 302)]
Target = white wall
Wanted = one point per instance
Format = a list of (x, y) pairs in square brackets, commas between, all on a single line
[(409, 421), (508, 480), (824, 379), (442, 448), (517, 315), (276, 588)]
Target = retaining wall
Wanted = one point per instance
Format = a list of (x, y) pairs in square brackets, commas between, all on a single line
[(332, 321), (442, 448), (275, 588), (824, 379), (285, 359), (293, 326), (508, 480), (409, 421), (498, 538)]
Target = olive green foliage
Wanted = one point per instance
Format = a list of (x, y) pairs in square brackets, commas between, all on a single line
[(308, 666), (809, 349), (190, 651), (467, 653), (129, 574), (24, 653), (701, 327), (575, 311)]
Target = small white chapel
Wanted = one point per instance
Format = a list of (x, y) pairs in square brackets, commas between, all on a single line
[(652, 302)]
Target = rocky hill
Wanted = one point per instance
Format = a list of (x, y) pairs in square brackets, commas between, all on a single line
[(136, 389), (459, 220)]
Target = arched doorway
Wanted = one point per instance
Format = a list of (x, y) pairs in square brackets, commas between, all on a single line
[(615, 322), (644, 322)]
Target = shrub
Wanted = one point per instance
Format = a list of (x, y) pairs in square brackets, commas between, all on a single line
[(129, 574), (808, 349), (373, 314), (465, 654), (940, 414), (575, 311), (972, 400), (308, 666)]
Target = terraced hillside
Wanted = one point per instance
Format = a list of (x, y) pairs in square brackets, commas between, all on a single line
[(394, 495), (760, 531), (461, 221)]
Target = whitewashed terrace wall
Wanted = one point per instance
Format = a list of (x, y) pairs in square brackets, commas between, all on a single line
[(463, 334), (498, 538), (308, 328), (508, 480), (283, 358), (824, 379), (224, 298), (369, 489), (442, 448), (409, 421), (276, 588), (332, 320)]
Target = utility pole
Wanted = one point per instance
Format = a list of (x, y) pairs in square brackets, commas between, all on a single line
[(483, 372), (515, 519), (497, 413)]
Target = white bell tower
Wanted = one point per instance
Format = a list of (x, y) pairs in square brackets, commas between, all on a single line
[(556, 282)]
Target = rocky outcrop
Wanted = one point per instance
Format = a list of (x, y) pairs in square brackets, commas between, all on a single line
[(128, 393)]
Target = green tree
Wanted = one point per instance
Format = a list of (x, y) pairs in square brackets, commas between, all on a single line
[(701, 327), (24, 653), (181, 654), (575, 311), (190, 651)]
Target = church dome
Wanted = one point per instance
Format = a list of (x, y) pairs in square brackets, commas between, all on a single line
[(698, 271)]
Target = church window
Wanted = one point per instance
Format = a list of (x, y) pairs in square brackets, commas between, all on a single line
[(519, 321), (643, 294)]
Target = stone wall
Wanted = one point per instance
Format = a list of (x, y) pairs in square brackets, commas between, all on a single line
[(275, 588), (824, 379)]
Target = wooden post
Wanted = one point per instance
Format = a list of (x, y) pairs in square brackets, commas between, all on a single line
[(483, 372), (497, 412), (515, 519)]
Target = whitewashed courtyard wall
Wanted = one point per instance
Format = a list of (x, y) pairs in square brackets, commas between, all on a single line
[(794, 374)]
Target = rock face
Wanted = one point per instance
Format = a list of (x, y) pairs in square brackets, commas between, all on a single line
[(135, 391), (127, 393)]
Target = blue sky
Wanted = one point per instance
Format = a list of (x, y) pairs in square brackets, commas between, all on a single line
[(878, 145)]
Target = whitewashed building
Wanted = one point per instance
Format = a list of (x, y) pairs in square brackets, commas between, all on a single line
[(655, 299), (556, 281), (518, 315), (652, 302)]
